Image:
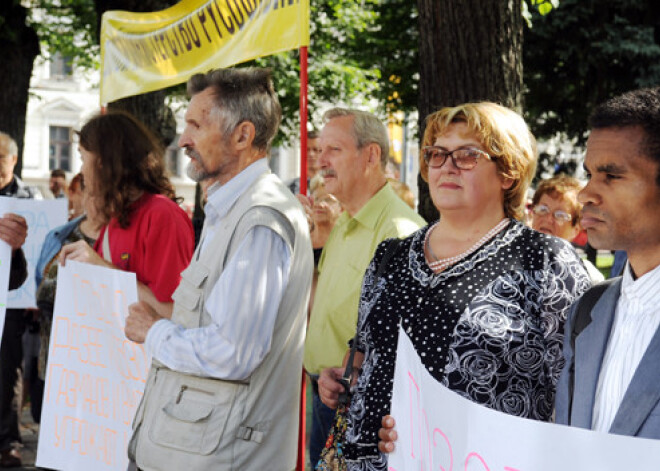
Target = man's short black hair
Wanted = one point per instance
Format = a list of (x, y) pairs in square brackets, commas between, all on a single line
[(638, 108)]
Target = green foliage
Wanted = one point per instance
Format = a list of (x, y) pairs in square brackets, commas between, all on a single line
[(544, 6), (365, 53), (583, 53), (67, 27), (359, 52)]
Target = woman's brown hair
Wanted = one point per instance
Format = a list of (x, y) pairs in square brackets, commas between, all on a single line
[(129, 160)]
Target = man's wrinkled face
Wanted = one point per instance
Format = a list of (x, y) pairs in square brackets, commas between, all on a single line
[(342, 163), (203, 141)]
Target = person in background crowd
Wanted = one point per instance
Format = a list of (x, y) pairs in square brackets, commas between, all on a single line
[(611, 381), (392, 171), (57, 183), (224, 386), (75, 193), (313, 152), (354, 149), (325, 211), (404, 192), (556, 211), (147, 233), (13, 230), (478, 287)]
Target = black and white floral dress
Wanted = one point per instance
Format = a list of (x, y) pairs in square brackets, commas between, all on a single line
[(489, 328)]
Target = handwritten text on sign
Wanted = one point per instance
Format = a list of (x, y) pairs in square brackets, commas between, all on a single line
[(95, 376), (440, 430)]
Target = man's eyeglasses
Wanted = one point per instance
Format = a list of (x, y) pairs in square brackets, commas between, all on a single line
[(464, 159), (560, 216)]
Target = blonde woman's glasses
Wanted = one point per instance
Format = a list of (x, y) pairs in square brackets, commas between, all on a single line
[(464, 159)]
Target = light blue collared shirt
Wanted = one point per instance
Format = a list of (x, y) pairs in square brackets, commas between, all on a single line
[(243, 304)]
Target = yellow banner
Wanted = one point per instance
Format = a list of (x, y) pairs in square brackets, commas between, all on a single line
[(142, 52)]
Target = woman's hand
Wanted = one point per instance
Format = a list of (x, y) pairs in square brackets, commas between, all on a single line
[(330, 387), (80, 251), (387, 435)]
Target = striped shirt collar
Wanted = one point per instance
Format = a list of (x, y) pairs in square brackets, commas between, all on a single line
[(222, 197), (646, 288)]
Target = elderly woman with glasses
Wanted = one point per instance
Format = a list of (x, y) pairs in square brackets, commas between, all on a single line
[(482, 297), (556, 211)]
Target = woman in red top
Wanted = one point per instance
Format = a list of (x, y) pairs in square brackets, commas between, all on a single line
[(146, 232)]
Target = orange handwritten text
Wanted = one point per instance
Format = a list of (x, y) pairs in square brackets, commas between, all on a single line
[(86, 438)]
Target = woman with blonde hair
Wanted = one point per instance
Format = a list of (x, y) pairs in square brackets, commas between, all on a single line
[(482, 297)]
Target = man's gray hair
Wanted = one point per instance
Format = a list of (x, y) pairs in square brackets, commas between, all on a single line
[(9, 143), (367, 129), (243, 94)]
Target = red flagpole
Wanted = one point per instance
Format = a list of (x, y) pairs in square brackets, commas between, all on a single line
[(303, 120), (300, 464)]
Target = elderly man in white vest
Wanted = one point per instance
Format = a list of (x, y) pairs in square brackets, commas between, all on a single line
[(224, 385)]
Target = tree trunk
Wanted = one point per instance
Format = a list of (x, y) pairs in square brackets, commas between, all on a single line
[(149, 107), (470, 50), (20, 46)]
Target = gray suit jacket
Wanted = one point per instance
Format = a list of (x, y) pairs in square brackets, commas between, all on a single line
[(639, 413)]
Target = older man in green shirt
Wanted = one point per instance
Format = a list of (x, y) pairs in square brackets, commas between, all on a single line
[(355, 148)]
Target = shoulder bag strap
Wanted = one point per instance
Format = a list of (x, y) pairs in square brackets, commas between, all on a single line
[(392, 248)]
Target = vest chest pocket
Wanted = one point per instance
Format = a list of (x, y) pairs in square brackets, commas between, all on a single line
[(193, 418), (188, 296)]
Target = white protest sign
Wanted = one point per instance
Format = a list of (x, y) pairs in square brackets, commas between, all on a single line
[(95, 376), (41, 216), (440, 430), (5, 265)]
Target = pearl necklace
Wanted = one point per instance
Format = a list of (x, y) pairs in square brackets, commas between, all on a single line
[(439, 264)]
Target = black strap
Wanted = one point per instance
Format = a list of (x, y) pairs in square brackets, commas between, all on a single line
[(345, 380), (581, 320)]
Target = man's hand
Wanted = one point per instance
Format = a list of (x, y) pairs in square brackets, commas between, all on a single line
[(13, 230), (330, 387), (80, 251), (140, 318), (387, 435)]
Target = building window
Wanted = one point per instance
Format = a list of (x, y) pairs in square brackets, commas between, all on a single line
[(60, 66), (60, 148)]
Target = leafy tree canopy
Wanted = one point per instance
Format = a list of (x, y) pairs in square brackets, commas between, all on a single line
[(583, 53), (67, 27)]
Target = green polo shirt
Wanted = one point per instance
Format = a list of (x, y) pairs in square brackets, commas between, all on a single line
[(345, 258)]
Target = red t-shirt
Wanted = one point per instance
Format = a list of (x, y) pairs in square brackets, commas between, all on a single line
[(157, 245)]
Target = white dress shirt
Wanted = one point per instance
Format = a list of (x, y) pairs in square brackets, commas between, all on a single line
[(243, 303), (636, 320)]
